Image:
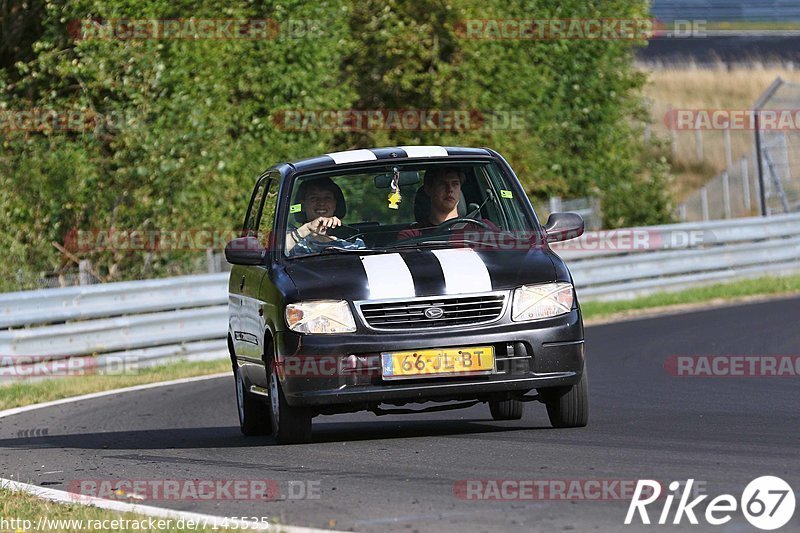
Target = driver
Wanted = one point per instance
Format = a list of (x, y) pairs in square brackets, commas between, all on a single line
[(443, 187), (319, 207)]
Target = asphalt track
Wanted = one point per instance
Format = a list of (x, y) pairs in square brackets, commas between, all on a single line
[(726, 49), (398, 472)]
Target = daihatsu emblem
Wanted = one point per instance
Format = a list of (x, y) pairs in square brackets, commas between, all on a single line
[(434, 312)]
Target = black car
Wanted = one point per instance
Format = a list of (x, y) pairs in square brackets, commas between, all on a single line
[(374, 278)]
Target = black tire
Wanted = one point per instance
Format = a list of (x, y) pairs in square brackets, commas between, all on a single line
[(568, 407), (290, 425), (254, 413), (506, 409)]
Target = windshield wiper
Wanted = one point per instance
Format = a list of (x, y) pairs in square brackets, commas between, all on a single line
[(334, 250), (438, 243)]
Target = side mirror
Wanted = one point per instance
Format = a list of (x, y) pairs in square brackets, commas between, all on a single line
[(245, 251), (563, 226)]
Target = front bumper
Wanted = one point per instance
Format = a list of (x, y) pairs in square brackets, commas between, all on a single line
[(530, 355)]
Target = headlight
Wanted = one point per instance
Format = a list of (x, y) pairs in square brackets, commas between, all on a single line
[(320, 317), (532, 302)]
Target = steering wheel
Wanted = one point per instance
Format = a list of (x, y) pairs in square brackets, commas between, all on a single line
[(447, 225), (344, 232)]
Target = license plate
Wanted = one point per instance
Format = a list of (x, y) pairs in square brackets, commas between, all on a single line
[(438, 362)]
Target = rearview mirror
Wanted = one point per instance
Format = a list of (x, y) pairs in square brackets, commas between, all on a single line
[(407, 177), (245, 251), (563, 227)]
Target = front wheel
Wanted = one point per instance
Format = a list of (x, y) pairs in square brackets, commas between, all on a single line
[(290, 425), (254, 415), (506, 409), (568, 407)]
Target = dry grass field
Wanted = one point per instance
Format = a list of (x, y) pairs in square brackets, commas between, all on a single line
[(688, 87)]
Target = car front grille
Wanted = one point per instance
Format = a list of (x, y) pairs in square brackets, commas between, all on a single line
[(456, 311)]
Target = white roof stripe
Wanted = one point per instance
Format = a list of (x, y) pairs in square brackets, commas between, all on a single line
[(352, 156), (425, 151)]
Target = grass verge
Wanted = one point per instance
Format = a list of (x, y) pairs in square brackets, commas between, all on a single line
[(712, 294), (26, 512), (27, 507), (26, 393)]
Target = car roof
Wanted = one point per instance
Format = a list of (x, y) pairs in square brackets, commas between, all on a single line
[(393, 153)]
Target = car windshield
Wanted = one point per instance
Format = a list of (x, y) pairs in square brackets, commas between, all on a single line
[(388, 208)]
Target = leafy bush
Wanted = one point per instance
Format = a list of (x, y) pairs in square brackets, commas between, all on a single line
[(191, 122)]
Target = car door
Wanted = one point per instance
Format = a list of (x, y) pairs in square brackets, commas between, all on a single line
[(244, 280), (252, 323)]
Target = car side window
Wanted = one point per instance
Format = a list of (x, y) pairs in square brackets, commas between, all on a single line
[(250, 228), (261, 193), (269, 203)]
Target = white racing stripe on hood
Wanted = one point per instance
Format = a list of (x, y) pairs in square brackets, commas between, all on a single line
[(388, 277), (464, 271)]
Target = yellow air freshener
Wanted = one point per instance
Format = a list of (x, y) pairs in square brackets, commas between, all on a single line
[(394, 199), (394, 186)]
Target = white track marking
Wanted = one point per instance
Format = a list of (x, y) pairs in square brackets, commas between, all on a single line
[(65, 497)]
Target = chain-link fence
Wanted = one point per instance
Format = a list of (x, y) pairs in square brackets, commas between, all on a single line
[(778, 135), (774, 164), (733, 193)]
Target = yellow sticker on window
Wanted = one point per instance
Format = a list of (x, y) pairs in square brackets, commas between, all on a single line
[(506, 194), (296, 208)]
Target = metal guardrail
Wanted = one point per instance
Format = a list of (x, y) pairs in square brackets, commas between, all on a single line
[(185, 317), (43, 306), (679, 256)]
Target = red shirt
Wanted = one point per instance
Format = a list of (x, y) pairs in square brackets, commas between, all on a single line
[(418, 230)]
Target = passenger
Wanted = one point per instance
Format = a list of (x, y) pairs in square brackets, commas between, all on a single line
[(323, 208), (442, 185)]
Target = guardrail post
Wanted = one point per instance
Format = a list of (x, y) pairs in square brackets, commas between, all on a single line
[(746, 186), (211, 261), (84, 272), (555, 204), (726, 194), (704, 203)]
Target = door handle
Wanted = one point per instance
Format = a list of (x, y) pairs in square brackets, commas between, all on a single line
[(241, 284)]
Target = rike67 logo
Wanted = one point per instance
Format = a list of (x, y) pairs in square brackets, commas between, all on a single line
[(767, 502)]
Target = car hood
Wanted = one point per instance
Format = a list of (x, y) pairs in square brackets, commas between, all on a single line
[(417, 273)]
